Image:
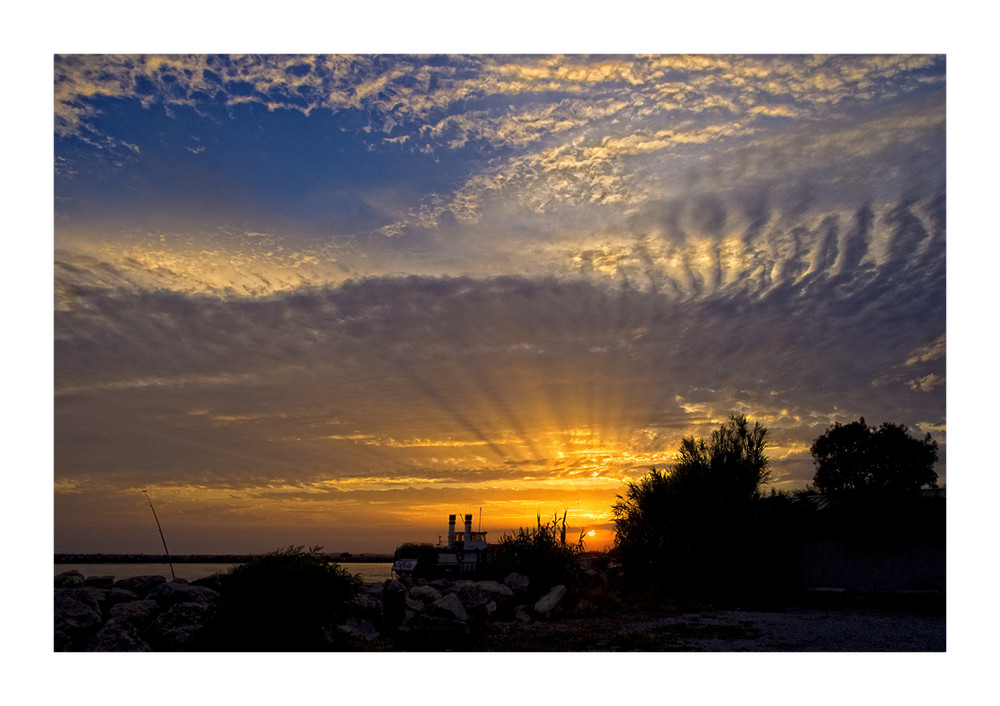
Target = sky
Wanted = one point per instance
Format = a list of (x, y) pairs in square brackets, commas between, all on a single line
[(330, 300)]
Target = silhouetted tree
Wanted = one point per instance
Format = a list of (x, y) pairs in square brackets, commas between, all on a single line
[(685, 528), (857, 459)]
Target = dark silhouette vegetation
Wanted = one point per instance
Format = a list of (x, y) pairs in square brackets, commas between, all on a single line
[(288, 600), (703, 533), (425, 554), (540, 552), (861, 460), (704, 530)]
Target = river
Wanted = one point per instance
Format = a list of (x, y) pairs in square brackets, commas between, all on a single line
[(370, 572)]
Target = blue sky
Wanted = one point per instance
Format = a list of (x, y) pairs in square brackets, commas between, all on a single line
[(330, 300)]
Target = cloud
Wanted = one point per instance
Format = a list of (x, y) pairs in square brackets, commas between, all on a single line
[(395, 370), (600, 256)]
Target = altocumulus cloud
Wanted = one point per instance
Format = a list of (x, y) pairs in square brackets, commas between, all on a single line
[(333, 282)]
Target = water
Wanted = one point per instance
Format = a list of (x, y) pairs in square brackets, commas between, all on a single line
[(370, 572)]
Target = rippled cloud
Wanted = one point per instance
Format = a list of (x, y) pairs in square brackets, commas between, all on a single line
[(290, 288)]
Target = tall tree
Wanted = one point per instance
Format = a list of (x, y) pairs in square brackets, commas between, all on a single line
[(679, 526), (859, 459)]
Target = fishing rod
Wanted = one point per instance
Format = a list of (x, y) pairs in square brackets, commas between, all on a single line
[(162, 539)]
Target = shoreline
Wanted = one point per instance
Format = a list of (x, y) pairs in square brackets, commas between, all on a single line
[(343, 558)]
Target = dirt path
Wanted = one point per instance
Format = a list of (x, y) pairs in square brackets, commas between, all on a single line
[(794, 630)]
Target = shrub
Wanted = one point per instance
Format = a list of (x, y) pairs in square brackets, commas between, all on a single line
[(689, 529), (539, 552), (425, 554), (288, 600)]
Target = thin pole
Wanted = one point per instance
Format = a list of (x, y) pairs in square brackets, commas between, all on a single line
[(172, 575)]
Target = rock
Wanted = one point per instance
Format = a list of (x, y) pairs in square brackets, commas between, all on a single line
[(427, 594), (476, 593), (413, 605), (140, 585), (522, 615), (63, 641), (442, 584), (517, 582), (118, 636), (548, 603), (367, 607), (99, 581), (121, 595), (76, 619), (175, 629), (96, 598), (212, 581), (497, 590), (393, 604), (358, 629), (450, 606), (482, 599), (173, 592), (70, 579), (138, 613)]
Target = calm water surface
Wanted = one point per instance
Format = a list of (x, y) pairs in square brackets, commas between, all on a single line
[(369, 572)]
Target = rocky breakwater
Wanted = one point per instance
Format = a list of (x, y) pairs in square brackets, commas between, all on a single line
[(137, 614), (149, 613), (445, 614)]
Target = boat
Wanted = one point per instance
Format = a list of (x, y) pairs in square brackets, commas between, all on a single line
[(462, 556)]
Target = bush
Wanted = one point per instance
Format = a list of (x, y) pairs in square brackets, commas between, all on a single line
[(540, 553), (425, 554), (689, 530), (288, 600)]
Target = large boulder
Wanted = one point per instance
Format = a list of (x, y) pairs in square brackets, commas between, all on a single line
[(426, 593), (498, 591), (549, 603), (121, 595), (118, 635), (442, 584), (70, 579), (139, 613), (358, 629), (365, 606), (516, 582), (173, 592), (175, 629), (98, 599), (483, 599), (99, 581), (449, 606), (77, 619)]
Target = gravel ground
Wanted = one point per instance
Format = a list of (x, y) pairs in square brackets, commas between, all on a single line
[(793, 630)]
